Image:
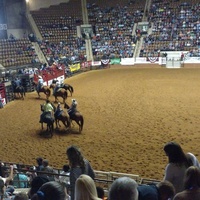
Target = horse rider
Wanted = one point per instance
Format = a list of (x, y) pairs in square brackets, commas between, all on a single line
[(58, 110), (57, 86), (40, 83), (17, 83), (72, 109), (48, 108)]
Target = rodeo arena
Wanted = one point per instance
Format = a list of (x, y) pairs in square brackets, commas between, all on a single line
[(100, 99)]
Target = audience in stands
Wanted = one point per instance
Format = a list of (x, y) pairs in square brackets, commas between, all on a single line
[(161, 191), (85, 188), (78, 165), (175, 28), (191, 185), (178, 164), (123, 188), (52, 191)]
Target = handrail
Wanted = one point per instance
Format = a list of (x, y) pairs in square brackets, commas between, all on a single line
[(103, 178)]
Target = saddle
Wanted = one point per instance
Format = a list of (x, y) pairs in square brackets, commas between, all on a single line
[(46, 117), (58, 113), (41, 88), (72, 115)]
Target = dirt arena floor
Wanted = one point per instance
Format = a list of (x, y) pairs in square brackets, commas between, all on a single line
[(130, 113)]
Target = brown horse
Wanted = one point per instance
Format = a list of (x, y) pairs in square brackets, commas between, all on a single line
[(68, 87), (77, 117), (63, 117), (45, 89), (59, 93)]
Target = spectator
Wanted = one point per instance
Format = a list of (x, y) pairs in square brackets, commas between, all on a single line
[(100, 193), (178, 164), (36, 183), (51, 191), (20, 180), (39, 166), (191, 185), (5, 181), (48, 169), (78, 165), (162, 191), (123, 188), (64, 178), (85, 188)]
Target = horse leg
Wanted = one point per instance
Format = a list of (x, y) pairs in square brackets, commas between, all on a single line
[(57, 123), (56, 99), (64, 100), (22, 96), (42, 126)]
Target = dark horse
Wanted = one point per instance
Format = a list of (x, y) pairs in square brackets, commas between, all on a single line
[(77, 117), (68, 87), (59, 93), (47, 119), (19, 92), (45, 89)]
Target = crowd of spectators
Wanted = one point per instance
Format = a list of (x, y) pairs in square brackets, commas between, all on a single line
[(175, 27), (17, 52), (113, 28)]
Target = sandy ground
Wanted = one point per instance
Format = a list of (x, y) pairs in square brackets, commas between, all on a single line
[(129, 114)]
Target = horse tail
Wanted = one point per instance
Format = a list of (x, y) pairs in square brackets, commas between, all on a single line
[(66, 94), (82, 122), (49, 92), (72, 89), (24, 91)]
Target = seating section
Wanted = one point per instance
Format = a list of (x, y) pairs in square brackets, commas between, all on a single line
[(58, 27), (17, 52), (113, 23), (175, 27)]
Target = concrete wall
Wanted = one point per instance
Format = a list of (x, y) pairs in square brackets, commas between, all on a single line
[(37, 4)]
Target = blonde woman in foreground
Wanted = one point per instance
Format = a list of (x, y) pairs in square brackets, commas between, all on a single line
[(85, 188)]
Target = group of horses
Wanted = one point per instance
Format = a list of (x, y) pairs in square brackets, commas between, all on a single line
[(62, 92), (64, 116)]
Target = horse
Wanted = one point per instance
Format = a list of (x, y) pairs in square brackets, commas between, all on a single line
[(77, 117), (59, 93), (19, 92), (68, 87), (63, 117), (47, 119), (45, 89)]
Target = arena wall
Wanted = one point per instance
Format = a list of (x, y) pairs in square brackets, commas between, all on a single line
[(37, 4)]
